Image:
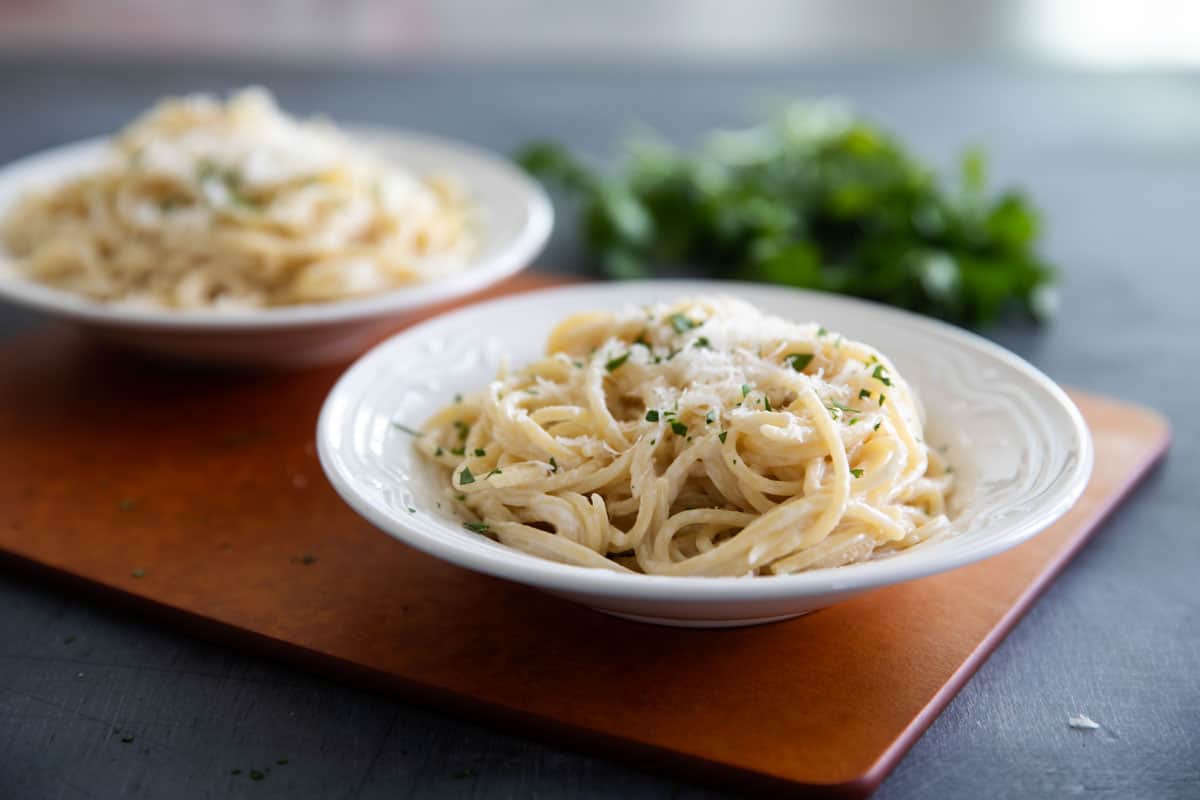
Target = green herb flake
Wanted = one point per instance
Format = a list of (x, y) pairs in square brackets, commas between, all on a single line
[(480, 452), (821, 331), (875, 427), (858, 473), (496, 471), (745, 389), (652, 415), (465, 476), (722, 435), (410, 431), (879, 375), (702, 343), (710, 417), (679, 428), (411, 510), (476, 527), (127, 738), (458, 451), (864, 394), (799, 361), (438, 452), (458, 398), (767, 403), (256, 775), (882, 399), (462, 428), (614, 364), (682, 324), (138, 573)]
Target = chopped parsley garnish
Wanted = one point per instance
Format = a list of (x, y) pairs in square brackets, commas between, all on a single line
[(465, 476), (674, 352), (438, 452), (702, 342), (458, 451), (652, 415), (577, 364), (882, 399), (615, 363), (411, 510), (679, 428), (681, 323), (879, 376), (722, 436), (858, 473), (799, 360), (458, 398), (864, 394), (856, 419), (821, 331), (841, 407), (256, 775), (710, 417), (496, 471), (480, 452), (766, 403), (138, 573), (476, 527), (553, 464), (127, 738), (460, 497), (875, 427), (462, 428), (745, 389)]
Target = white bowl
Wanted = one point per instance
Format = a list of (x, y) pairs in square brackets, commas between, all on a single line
[(1020, 449), (515, 219)]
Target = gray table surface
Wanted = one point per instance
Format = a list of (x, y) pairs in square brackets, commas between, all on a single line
[(1114, 160)]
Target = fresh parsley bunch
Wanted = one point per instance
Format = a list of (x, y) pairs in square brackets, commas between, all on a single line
[(816, 198)]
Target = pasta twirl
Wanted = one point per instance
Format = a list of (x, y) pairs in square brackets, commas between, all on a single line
[(696, 438), (203, 203)]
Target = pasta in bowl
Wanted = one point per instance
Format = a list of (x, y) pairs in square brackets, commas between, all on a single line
[(695, 438), (231, 231), (603, 470)]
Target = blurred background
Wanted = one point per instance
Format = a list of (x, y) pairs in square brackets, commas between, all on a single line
[(1086, 33)]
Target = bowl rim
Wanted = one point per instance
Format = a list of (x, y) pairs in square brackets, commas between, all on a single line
[(510, 258), (591, 582)]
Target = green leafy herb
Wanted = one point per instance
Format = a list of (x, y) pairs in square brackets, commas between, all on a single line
[(766, 403), (127, 738), (256, 775), (458, 451), (553, 464), (816, 198), (138, 573), (880, 376), (882, 399), (799, 360), (476, 527), (615, 363), (465, 476), (480, 452), (462, 428), (652, 415), (457, 398), (746, 389), (858, 473), (702, 342), (864, 394), (438, 451), (679, 428), (410, 431), (875, 427), (681, 324), (722, 436), (821, 331), (496, 471), (710, 417)]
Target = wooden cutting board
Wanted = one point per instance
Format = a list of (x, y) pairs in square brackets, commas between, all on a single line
[(198, 496)]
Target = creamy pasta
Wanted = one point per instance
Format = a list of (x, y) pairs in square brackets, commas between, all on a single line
[(203, 203), (696, 438)]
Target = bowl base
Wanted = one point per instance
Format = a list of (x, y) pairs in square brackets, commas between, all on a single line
[(678, 622)]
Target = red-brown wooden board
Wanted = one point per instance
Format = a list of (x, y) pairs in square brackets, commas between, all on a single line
[(197, 495)]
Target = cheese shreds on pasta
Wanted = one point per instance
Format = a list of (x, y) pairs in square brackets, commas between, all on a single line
[(699, 438), (202, 203)]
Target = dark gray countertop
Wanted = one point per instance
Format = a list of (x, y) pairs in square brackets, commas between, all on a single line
[(1113, 159)]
